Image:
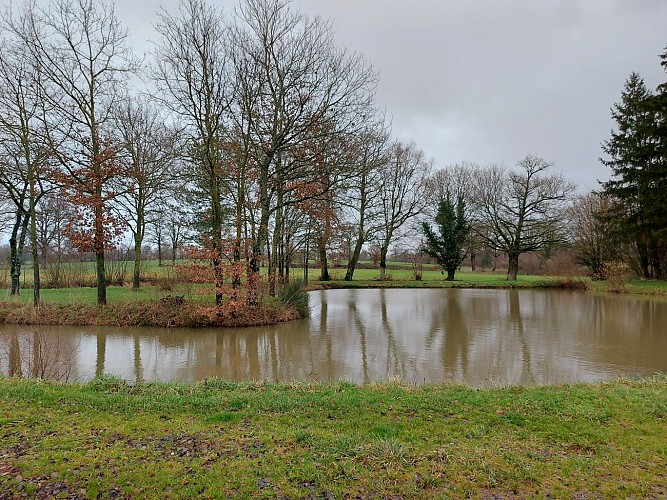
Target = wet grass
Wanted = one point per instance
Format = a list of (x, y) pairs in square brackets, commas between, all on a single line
[(217, 439)]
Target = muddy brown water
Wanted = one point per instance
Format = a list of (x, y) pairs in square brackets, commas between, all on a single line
[(474, 337)]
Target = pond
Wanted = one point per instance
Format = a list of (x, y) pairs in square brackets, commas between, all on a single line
[(475, 337)]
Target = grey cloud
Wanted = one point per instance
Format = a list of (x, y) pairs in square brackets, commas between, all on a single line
[(491, 81)]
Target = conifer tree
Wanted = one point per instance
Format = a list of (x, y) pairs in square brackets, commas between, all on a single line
[(446, 247), (636, 156)]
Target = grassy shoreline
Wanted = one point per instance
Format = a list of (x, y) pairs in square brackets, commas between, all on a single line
[(216, 439), (156, 313), (152, 306)]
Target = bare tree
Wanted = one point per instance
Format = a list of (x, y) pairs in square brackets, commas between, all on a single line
[(23, 151), (451, 183), (303, 99), (362, 197), (403, 193), (592, 232), (157, 232), (81, 51), (150, 169), (192, 72), (52, 215), (522, 211)]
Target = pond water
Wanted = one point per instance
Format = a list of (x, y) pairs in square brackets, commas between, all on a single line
[(475, 337)]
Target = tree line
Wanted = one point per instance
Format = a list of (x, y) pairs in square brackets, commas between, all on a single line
[(623, 224), (254, 137)]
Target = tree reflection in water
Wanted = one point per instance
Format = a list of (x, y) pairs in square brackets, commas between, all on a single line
[(31, 352), (476, 337)]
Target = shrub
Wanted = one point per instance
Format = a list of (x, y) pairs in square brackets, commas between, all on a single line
[(115, 272), (616, 273), (567, 283), (294, 295)]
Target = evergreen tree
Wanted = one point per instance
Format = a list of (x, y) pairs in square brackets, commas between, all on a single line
[(453, 228), (659, 209), (636, 156)]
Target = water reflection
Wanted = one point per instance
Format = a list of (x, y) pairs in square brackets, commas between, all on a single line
[(32, 352), (477, 337)]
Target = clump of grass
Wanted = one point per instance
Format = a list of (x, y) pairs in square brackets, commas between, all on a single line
[(567, 283), (108, 383), (294, 295), (304, 436)]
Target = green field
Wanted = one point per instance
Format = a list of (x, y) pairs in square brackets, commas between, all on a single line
[(144, 306), (108, 439), (397, 277)]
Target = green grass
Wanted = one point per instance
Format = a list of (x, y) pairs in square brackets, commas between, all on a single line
[(399, 276), (218, 440), (115, 294), (432, 277)]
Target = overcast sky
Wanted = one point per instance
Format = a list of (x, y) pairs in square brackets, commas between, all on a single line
[(490, 81)]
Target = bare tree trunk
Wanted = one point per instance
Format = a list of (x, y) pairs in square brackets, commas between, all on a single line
[(33, 231), (216, 216), (99, 255), (15, 258), (236, 279), (324, 264), (354, 257), (513, 267), (17, 244), (383, 261), (35, 255), (287, 256), (136, 272), (306, 256)]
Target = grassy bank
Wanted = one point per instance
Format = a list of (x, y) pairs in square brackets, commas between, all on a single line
[(153, 305), (370, 278), (168, 311), (107, 439), (403, 278)]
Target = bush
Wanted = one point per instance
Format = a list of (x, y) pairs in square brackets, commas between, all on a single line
[(294, 295), (567, 283), (616, 273)]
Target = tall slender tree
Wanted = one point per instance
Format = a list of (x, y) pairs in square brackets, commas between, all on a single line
[(592, 232), (23, 150), (403, 193), (192, 72), (150, 173), (362, 196)]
